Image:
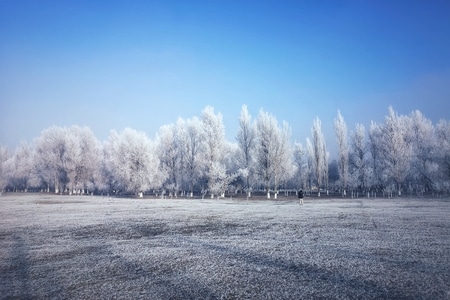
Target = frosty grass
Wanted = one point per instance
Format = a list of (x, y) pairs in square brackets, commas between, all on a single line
[(102, 248)]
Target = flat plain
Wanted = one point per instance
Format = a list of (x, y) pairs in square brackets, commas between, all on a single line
[(88, 247)]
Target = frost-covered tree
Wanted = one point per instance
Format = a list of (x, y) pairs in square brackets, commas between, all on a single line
[(225, 172), (310, 166), (300, 162), (333, 173), (190, 133), (214, 138), (403, 152), (282, 160), (133, 162), (73, 157), (267, 137), (396, 145), (88, 172), (107, 172), (246, 142), (319, 151), (424, 165), (83, 152), (21, 170), (273, 151), (443, 154), (101, 179), (326, 176), (214, 134), (376, 151), (51, 158), (169, 154), (233, 171), (343, 154), (4, 175), (358, 158)]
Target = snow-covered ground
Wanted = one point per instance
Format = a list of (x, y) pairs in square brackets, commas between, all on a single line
[(93, 247)]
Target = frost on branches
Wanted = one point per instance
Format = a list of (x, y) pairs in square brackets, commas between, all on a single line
[(132, 161), (404, 154)]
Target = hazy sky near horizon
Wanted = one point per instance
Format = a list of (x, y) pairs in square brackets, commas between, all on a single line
[(142, 64)]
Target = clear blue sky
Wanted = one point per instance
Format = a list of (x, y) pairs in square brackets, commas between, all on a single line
[(142, 64)]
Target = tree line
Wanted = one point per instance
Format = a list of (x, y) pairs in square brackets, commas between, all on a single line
[(406, 153)]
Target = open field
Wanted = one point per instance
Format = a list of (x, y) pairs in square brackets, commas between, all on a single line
[(102, 248)]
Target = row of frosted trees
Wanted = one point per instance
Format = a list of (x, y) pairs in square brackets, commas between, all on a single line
[(192, 156), (406, 153)]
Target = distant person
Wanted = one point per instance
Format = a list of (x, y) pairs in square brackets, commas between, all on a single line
[(300, 196)]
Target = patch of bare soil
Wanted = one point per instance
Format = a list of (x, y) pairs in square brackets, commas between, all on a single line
[(102, 248)]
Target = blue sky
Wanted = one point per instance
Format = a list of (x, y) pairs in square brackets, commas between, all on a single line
[(142, 64)]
